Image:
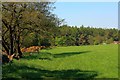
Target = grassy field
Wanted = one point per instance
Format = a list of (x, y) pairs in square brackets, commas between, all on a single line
[(74, 62)]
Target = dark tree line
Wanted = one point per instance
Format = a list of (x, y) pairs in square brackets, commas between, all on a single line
[(72, 35)]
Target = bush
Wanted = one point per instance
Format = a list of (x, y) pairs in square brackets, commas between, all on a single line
[(45, 42)]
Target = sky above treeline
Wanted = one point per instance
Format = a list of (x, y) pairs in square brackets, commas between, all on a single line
[(93, 14)]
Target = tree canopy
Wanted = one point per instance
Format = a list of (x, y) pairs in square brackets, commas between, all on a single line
[(22, 19)]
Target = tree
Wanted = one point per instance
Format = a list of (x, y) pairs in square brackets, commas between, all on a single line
[(20, 18)]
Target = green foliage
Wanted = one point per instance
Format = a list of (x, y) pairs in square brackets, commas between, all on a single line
[(60, 41), (45, 42), (91, 40), (21, 19), (98, 40), (36, 39), (109, 41), (28, 40), (71, 35), (70, 41)]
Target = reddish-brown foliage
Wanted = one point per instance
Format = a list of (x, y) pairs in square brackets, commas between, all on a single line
[(32, 49)]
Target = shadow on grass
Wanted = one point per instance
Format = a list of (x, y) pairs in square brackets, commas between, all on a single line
[(29, 73), (66, 54), (49, 56), (41, 55)]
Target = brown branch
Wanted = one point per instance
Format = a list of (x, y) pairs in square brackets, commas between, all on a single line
[(5, 32), (5, 23)]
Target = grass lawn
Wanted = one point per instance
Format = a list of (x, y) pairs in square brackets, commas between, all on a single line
[(73, 62)]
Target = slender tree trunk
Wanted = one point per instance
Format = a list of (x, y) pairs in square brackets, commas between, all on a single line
[(5, 47), (19, 51), (11, 42), (18, 44)]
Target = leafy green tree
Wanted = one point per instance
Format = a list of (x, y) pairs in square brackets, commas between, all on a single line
[(109, 41), (20, 18), (91, 40), (60, 41)]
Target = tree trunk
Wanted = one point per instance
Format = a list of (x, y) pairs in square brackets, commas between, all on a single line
[(18, 45), (5, 47), (11, 42)]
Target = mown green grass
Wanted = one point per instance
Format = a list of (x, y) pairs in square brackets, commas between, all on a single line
[(74, 62)]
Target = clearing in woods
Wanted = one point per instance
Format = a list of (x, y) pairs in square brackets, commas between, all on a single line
[(95, 61)]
